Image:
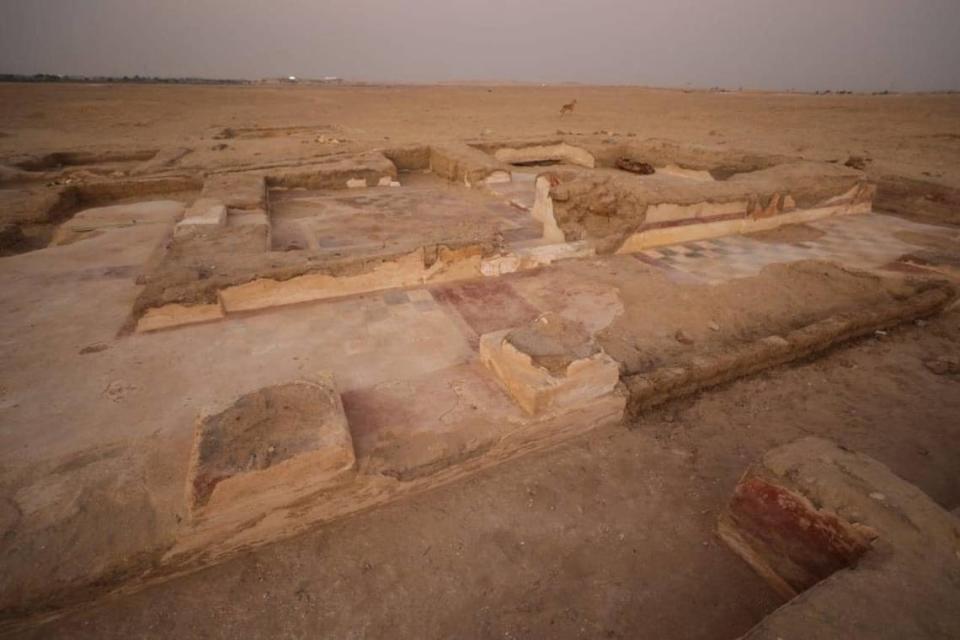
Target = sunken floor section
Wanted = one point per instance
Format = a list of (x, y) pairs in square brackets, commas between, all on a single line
[(401, 217), (420, 209), (473, 303)]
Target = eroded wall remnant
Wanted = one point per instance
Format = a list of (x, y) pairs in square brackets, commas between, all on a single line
[(870, 555)]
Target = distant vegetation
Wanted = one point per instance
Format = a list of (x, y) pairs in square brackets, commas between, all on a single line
[(50, 77)]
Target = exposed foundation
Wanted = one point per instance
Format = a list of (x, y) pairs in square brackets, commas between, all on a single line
[(572, 212), (477, 307)]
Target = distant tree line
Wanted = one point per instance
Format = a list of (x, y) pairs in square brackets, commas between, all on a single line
[(50, 77)]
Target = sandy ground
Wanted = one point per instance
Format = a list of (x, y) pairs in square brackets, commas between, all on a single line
[(605, 537), (608, 536), (916, 136)]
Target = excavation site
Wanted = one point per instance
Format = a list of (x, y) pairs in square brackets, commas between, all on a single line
[(327, 361)]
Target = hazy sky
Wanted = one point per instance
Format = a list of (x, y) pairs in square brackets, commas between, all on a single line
[(769, 44)]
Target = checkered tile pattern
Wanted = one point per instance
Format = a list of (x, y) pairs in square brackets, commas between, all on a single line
[(862, 241)]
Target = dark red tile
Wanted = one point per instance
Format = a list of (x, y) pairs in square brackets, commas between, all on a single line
[(487, 305)]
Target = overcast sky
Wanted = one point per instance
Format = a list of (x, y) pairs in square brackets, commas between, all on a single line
[(768, 44)]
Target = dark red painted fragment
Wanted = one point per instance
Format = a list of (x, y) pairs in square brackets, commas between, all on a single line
[(812, 543)]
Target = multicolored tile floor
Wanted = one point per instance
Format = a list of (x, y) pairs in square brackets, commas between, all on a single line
[(865, 241)]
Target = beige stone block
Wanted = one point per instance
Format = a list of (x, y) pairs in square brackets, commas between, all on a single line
[(543, 211), (204, 216), (558, 376), (462, 163), (268, 449)]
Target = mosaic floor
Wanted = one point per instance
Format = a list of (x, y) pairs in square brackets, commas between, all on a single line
[(863, 241)]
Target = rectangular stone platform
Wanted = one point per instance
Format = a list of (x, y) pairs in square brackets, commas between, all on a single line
[(269, 449)]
